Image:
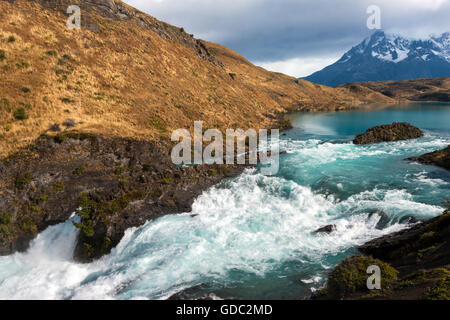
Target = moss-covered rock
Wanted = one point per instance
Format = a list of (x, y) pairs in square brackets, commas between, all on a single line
[(425, 245), (389, 132), (441, 290), (414, 265), (350, 277)]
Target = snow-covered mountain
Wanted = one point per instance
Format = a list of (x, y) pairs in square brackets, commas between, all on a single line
[(383, 57)]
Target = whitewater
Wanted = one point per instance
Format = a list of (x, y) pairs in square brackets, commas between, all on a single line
[(252, 237)]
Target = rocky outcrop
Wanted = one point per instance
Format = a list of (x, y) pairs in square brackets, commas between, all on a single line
[(414, 263), (440, 158), (112, 184), (389, 132), (117, 10), (200, 292), (349, 278), (327, 229), (424, 246)]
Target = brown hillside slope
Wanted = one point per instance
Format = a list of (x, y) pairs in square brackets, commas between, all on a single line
[(127, 74), (437, 89)]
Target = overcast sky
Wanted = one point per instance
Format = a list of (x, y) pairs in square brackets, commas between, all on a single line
[(296, 37)]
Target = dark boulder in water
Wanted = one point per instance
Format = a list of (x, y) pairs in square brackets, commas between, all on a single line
[(409, 220), (201, 292), (389, 132), (440, 158), (327, 229)]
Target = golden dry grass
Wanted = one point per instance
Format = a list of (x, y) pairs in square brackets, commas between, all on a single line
[(130, 82), (411, 89)]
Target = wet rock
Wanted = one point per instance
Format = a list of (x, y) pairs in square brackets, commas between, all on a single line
[(349, 278), (327, 229), (189, 293), (409, 220), (440, 158), (403, 249), (389, 132), (414, 265), (101, 179), (384, 219)]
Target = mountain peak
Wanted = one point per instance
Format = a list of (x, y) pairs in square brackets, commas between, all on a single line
[(377, 34), (384, 56)]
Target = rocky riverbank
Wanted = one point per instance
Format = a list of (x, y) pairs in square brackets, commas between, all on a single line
[(414, 265), (111, 183), (440, 158), (125, 81)]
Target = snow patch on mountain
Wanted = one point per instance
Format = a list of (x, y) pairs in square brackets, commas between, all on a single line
[(383, 57), (393, 56), (443, 44), (394, 48)]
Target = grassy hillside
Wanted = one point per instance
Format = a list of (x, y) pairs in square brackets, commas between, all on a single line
[(437, 89), (127, 74)]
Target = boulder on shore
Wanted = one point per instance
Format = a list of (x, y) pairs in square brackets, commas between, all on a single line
[(389, 132), (440, 158), (414, 265)]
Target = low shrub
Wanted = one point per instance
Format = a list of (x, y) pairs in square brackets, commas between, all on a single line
[(51, 53), (350, 277), (5, 218), (23, 180), (20, 114)]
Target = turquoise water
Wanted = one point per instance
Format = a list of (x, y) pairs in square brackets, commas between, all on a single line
[(252, 235)]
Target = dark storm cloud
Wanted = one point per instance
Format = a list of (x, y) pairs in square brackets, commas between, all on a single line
[(279, 30)]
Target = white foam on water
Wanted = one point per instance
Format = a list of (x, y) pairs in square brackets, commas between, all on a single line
[(253, 225), (314, 152), (249, 225), (46, 269), (422, 178), (394, 203)]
